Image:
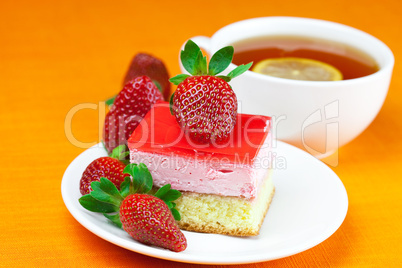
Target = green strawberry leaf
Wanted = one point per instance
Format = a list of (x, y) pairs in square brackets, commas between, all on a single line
[(146, 178), (105, 191), (142, 178), (91, 204), (220, 60), (167, 194), (103, 197), (176, 80), (239, 70), (169, 204), (189, 55), (224, 77), (201, 64), (171, 195), (176, 214), (125, 187), (95, 185), (108, 187), (171, 104), (115, 218), (162, 191), (109, 102)]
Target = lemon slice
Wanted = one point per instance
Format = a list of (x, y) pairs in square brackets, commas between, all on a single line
[(298, 69)]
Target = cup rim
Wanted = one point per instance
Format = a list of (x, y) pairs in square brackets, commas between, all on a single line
[(386, 68)]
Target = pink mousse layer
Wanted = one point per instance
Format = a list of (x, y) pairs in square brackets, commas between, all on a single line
[(236, 169)]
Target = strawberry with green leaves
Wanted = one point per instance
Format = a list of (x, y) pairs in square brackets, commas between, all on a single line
[(149, 219), (204, 104), (110, 167)]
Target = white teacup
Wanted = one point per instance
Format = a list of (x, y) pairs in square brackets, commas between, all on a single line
[(318, 117)]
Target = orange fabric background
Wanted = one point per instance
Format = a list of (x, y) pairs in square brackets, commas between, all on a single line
[(55, 55)]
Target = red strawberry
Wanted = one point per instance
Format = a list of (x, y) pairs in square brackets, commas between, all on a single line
[(145, 64), (205, 105), (130, 106), (108, 167), (148, 219), (145, 217)]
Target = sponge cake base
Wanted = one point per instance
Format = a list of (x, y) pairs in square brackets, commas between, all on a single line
[(229, 215)]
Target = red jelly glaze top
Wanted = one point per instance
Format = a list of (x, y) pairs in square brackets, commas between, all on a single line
[(160, 133)]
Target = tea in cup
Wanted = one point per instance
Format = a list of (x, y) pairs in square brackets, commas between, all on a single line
[(316, 116)]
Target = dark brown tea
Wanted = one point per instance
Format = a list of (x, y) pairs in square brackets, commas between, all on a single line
[(351, 62)]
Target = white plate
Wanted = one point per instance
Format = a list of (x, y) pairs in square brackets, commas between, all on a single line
[(309, 205)]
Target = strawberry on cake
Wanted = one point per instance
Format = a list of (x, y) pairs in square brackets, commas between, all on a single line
[(200, 145)]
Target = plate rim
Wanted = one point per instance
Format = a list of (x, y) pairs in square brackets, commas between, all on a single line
[(188, 258)]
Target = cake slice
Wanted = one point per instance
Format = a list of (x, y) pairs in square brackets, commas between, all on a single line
[(226, 189)]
